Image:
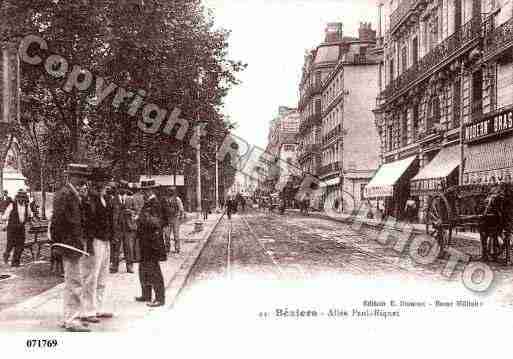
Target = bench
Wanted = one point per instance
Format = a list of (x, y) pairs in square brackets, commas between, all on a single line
[(38, 230)]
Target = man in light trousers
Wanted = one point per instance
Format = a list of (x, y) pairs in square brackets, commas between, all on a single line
[(66, 231), (99, 233)]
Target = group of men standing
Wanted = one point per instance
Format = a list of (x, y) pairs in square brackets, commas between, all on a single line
[(92, 219)]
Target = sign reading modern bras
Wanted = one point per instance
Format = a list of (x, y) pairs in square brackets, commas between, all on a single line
[(496, 124)]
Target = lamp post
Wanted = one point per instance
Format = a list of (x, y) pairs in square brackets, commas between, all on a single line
[(217, 182), (199, 223)]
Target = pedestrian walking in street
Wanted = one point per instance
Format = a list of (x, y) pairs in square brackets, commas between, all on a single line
[(124, 211), (152, 248), (176, 213), (5, 200), (410, 210), (230, 206), (99, 233), (17, 214), (205, 208), (67, 236)]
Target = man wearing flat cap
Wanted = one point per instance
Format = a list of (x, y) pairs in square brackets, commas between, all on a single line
[(67, 235), (17, 215)]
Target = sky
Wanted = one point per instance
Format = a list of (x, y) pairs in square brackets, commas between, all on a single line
[(271, 36)]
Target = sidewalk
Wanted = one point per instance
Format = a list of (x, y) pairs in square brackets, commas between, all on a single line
[(418, 228), (43, 312)]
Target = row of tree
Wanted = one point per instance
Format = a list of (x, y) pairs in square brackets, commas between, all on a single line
[(162, 47)]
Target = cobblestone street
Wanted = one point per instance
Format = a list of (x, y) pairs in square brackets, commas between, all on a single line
[(298, 248)]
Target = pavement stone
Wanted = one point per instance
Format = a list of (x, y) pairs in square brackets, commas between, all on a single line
[(43, 312)]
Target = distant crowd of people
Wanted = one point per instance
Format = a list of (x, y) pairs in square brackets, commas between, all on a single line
[(93, 220)]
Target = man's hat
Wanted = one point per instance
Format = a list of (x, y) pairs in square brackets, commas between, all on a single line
[(21, 195), (148, 184), (78, 169), (124, 184), (100, 174)]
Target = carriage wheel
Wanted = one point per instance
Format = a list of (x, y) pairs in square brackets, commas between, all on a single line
[(438, 221)]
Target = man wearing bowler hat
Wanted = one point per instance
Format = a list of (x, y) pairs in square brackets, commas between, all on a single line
[(67, 235), (150, 224), (17, 214)]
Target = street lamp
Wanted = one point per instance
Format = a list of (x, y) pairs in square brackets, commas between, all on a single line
[(199, 223)]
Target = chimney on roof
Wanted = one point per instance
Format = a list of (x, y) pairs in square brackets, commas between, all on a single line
[(365, 32), (333, 32)]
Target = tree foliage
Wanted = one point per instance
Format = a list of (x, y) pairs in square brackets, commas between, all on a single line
[(159, 46)]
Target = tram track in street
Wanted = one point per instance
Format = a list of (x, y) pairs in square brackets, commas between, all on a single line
[(330, 256)]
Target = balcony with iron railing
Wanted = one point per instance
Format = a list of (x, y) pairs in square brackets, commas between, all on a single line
[(337, 130), (309, 122), (497, 40), (333, 167), (312, 90), (308, 150), (444, 51)]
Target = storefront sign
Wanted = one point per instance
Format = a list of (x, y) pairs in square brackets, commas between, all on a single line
[(495, 124), (426, 186)]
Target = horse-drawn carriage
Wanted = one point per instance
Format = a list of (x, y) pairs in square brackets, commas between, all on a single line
[(485, 208)]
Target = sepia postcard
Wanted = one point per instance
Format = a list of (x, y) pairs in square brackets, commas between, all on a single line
[(256, 178)]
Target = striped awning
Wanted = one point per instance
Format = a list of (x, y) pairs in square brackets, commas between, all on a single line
[(382, 184), (431, 176), (489, 161)]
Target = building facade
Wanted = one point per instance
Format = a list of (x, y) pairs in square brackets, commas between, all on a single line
[(446, 71), (349, 140), (338, 141)]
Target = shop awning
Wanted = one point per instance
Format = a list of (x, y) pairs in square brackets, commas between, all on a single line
[(330, 182), (164, 180), (431, 176), (487, 161), (382, 184)]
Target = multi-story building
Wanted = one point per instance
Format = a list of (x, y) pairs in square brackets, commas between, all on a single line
[(432, 84), (280, 154), (349, 141), (488, 135), (338, 141), (319, 63)]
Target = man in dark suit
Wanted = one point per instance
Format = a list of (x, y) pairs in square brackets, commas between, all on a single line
[(150, 224), (66, 231), (124, 228), (99, 229), (17, 214)]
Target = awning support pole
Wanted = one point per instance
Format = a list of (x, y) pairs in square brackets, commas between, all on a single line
[(462, 137)]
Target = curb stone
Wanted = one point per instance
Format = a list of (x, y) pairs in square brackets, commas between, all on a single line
[(177, 282)]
